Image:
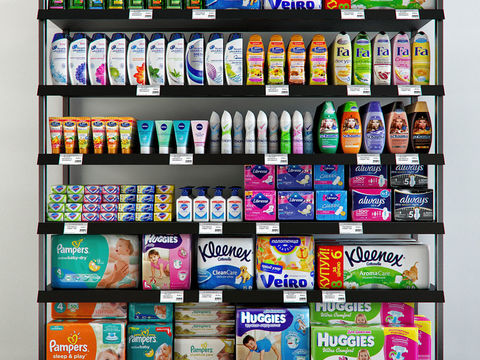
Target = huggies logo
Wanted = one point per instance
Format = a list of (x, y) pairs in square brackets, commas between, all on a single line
[(71, 346), (248, 318), (326, 340)]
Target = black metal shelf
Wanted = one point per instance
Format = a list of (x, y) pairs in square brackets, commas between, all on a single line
[(235, 296), (286, 228), (223, 91)]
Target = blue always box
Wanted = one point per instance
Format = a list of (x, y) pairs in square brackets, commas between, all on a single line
[(331, 205)]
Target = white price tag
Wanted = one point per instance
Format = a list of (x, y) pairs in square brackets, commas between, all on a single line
[(407, 159), (334, 296), (181, 159), (409, 90), (350, 228), (268, 228), (148, 90), (70, 159), (209, 296), (407, 14), (75, 228), (277, 90), (276, 159), (294, 296), (358, 90), (210, 228), (348, 14), (140, 14), (204, 14), (368, 159), (171, 296)]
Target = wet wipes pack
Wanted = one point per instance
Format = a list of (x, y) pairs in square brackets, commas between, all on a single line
[(204, 348)]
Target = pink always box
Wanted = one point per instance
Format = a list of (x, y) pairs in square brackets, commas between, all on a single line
[(260, 205), (371, 205), (259, 177)]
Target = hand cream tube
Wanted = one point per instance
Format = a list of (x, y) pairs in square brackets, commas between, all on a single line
[(199, 131), (56, 134), (182, 130), (164, 131), (145, 134)]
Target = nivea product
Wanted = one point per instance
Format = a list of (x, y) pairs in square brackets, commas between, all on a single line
[(194, 58), (329, 177), (368, 177), (204, 348), (156, 59), (225, 263), (166, 261), (371, 205), (292, 4), (401, 59), (97, 59), (71, 310), (413, 205), (204, 329), (59, 59), (296, 205), (373, 127), (331, 205), (327, 132), (175, 60), (117, 59), (77, 59), (409, 176), (285, 262), (136, 59), (214, 59), (382, 59), (148, 340), (150, 312), (397, 128), (234, 59), (424, 326), (260, 205), (259, 177), (294, 177), (373, 266)]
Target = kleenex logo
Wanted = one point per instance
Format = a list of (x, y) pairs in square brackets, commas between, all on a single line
[(211, 250), (358, 255)]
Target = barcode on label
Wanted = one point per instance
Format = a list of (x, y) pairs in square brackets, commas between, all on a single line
[(145, 14), (368, 159), (337, 296), (204, 14), (148, 90), (294, 296), (350, 229), (348, 14), (407, 159), (75, 228), (210, 228), (358, 90), (409, 90), (407, 14), (268, 228), (70, 159), (171, 296), (276, 159), (277, 90), (181, 159), (210, 296)]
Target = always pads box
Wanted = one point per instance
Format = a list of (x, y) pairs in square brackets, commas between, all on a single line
[(150, 312), (225, 263), (372, 205), (296, 205), (208, 348), (364, 343), (271, 334), (292, 4), (259, 177), (368, 177), (372, 267), (329, 177), (409, 176), (413, 205), (285, 262), (260, 205), (206, 314), (166, 261), (146, 341), (89, 310), (95, 261), (203, 329), (331, 205), (294, 177), (85, 339)]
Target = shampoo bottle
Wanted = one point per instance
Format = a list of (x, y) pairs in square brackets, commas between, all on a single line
[(382, 60), (397, 129), (350, 128), (327, 128), (156, 60), (250, 125), (77, 59), (307, 133), (136, 59), (234, 60), (296, 57), (194, 58), (255, 60), (226, 123), (362, 60), (297, 124), (117, 59), (273, 133), (373, 128), (421, 127), (235, 206), (276, 60), (401, 60), (214, 133), (201, 205), (285, 136), (214, 59), (59, 59), (340, 58), (218, 206), (115, 4), (262, 128), (97, 59), (238, 147), (175, 60), (421, 59), (185, 205), (318, 60), (135, 4)]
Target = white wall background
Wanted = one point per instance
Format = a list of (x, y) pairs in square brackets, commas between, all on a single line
[(18, 184)]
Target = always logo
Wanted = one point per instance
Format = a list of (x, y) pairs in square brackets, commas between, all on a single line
[(260, 200), (419, 200)]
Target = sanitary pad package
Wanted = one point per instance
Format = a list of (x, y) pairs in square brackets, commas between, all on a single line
[(329, 177), (270, 334), (207, 314), (259, 177), (368, 177), (89, 310), (294, 177), (204, 329), (424, 326), (285, 262), (331, 205), (208, 348), (413, 205), (260, 205), (95, 261), (409, 176), (296, 205), (225, 263), (372, 267), (150, 312), (372, 205), (146, 341), (166, 261)]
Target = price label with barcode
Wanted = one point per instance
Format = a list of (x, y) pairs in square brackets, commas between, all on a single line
[(368, 159), (148, 90), (409, 90), (276, 159), (407, 159), (204, 14), (209, 296), (407, 14), (140, 14), (268, 228), (277, 90), (75, 228), (348, 14), (210, 228), (358, 90), (181, 159), (171, 296), (350, 228), (334, 296), (70, 159), (294, 296)]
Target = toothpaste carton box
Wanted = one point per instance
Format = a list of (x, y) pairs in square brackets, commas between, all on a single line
[(368, 177), (413, 205), (409, 176), (204, 329), (260, 205), (372, 205), (259, 177), (89, 310), (329, 177), (296, 205), (150, 312), (294, 177), (146, 341), (204, 348), (424, 326), (331, 205)]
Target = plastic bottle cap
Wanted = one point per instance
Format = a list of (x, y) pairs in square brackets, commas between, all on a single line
[(181, 149), (199, 149), (146, 150), (163, 150)]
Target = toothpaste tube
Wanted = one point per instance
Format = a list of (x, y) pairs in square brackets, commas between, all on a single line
[(96, 199), (162, 216), (371, 205), (128, 198), (91, 208), (163, 198), (91, 217), (329, 177), (128, 189), (144, 208), (146, 189), (110, 189), (143, 216), (108, 216), (111, 198), (159, 207), (75, 189), (164, 189), (368, 177), (108, 208), (75, 198), (72, 216), (58, 189), (55, 216), (54, 207), (73, 207), (331, 205), (126, 208), (126, 216), (57, 198), (93, 190)]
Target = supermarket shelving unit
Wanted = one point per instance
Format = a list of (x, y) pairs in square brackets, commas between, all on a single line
[(238, 21)]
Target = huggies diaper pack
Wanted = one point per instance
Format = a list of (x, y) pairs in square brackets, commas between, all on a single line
[(362, 313), (372, 205), (285, 262), (393, 4), (331, 205), (86, 339), (329, 177), (424, 326), (294, 177), (271, 334), (206, 314), (368, 177), (89, 310), (409, 176), (260, 205), (225, 263), (166, 261), (208, 348), (364, 343), (259, 177), (296, 205), (95, 261), (150, 341), (150, 312), (372, 267), (413, 205), (204, 329)]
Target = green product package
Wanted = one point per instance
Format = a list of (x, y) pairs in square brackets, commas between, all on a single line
[(135, 4), (194, 4), (56, 4), (327, 128), (96, 4), (116, 4), (362, 60), (76, 4), (174, 4), (154, 4), (394, 4)]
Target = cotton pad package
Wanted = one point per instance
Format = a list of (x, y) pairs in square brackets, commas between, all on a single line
[(153, 341), (166, 261), (89, 310), (271, 334), (373, 266), (95, 261), (150, 312), (285, 262), (225, 263)]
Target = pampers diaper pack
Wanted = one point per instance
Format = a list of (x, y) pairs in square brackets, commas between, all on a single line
[(95, 261), (204, 329), (260, 205), (259, 177), (208, 348), (296, 205), (225, 263), (409, 176), (89, 310), (329, 177), (149, 341), (285, 262), (364, 343), (372, 205), (294, 177), (166, 261), (372, 267), (271, 334), (86, 339), (368, 176), (150, 312), (331, 205)]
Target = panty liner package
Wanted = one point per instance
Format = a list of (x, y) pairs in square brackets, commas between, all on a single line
[(204, 329), (329, 177), (271, 334), (85, 339), (364, 343), (89, 310), (372, 205), (166, 261), (368, 177), (146, 341), (294, 177), (225, 263), (208, 348), (150, 312), (409, 176), (413, 205), (362, 313), (424, 326), (372, 267), (331, 205), (95, 261), (285, 262), (212, 314), (259, 177)]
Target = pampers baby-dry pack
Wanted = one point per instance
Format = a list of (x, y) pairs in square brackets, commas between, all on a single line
[(294, 177), (225, 263), (296, 205), (364, 343), (331, 205), (372, 267), (372, 205), (149, 341), (329, 177), (89, 310), (95, 261), (368, 177), (285, 262), (86, 339), (271, 334), (208, 348), (150, 312), (259, 177), (166, 261)]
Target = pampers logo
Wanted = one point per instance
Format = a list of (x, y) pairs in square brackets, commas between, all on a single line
[(246, 317), (71, 346), (210, 250), (143, 337), (203, 349), (327, 340), (76, 249), (373, 257)]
